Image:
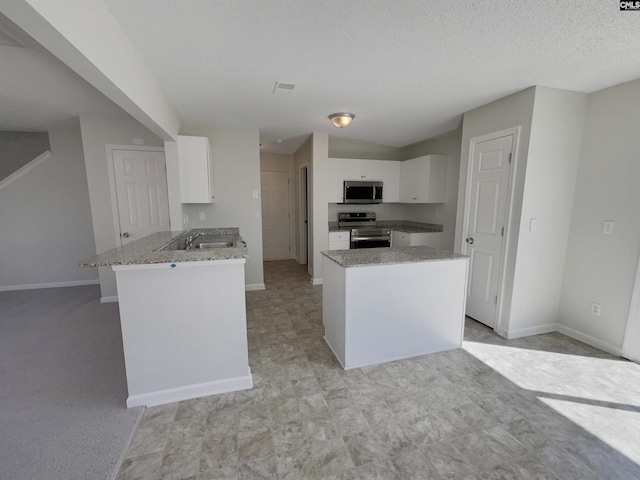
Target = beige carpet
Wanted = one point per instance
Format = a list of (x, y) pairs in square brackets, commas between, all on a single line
[(62, 386)]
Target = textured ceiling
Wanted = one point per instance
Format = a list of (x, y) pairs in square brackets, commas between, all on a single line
[(36, 89), (406, 68)]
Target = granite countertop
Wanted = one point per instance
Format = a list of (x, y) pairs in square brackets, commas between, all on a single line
[(367, 257), (146, 250), (398, 225)]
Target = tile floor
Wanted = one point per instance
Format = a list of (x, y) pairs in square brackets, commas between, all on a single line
[(543, 407)]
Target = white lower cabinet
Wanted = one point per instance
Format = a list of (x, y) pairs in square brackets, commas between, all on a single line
[(339, 240), (428, 239)]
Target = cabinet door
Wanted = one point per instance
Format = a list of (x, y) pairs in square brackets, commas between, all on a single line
[(195, 170), (335, 180), (423, 179), (391, 181), (409, 181), (356, 169)]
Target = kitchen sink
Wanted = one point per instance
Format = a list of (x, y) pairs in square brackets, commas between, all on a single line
[(201, 240), (220, 244)]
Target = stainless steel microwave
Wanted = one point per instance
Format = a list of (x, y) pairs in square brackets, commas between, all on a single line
[(362, 192)]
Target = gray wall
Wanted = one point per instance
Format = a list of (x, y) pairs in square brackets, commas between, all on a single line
[(601, 268), (236, 173), (19, 148), (551, 170), (97, 132), (46, 219), (340, 147)]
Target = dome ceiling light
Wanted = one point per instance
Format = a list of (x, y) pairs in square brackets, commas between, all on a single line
[(341, 120)]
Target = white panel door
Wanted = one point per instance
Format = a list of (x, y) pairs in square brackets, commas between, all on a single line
[(141, 191), (275, 215), (485, 225)]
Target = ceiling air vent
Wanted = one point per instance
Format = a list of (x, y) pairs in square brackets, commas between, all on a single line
[(283, 88)]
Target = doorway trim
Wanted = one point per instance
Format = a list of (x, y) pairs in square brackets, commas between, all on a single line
[(110, 148), (303, 202), (631, 343), (500, 323)]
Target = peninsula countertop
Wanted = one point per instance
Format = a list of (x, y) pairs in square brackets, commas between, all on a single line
[(368, 257), (146, 250)]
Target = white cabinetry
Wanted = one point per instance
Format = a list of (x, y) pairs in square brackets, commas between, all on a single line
[(355, 169), (335, 168), (391, 181), (423, 179), (428, 239), (339, 240), (196, 182)]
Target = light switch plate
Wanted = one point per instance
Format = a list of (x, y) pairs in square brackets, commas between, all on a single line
[(202, 216), (608, 226), (533, 224), (256, 194)]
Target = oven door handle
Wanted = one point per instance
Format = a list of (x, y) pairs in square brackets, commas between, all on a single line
[(357, 239)]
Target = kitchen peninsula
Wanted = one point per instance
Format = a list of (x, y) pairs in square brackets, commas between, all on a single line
[(182, 312), (385, 304)]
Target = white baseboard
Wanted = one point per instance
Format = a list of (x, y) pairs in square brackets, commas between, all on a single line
[(35, 286), (589, 340), (316, 281), (527, 332), (109, 299), (189, 392), (254, 286)]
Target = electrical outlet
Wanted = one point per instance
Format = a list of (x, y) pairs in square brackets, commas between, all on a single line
[(202, 216), (596, 309), (256, 215)]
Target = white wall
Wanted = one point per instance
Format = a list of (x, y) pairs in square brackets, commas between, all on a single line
[(601, 268), (552, 166), (319, 230), (301, 159), (46, 219), (86, 37), (19, 148), (236, 173), (97, 132)]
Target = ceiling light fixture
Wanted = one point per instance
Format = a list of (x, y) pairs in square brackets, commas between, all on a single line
[(341, 120)]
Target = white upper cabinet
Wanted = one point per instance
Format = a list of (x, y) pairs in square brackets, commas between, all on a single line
[(335, 192), (356, 169), (391, 181), (196, 182), (423, 179)]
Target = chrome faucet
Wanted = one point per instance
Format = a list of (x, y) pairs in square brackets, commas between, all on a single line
[(188, 242)]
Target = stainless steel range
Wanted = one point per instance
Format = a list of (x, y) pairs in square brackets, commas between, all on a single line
[(364, 232)]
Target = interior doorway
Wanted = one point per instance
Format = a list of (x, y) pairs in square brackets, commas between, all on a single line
[(304, 216), (139, 192), (488, 186), (276, 215)]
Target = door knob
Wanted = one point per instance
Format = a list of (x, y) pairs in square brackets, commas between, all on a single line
[(126, 235), (470, 241)]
